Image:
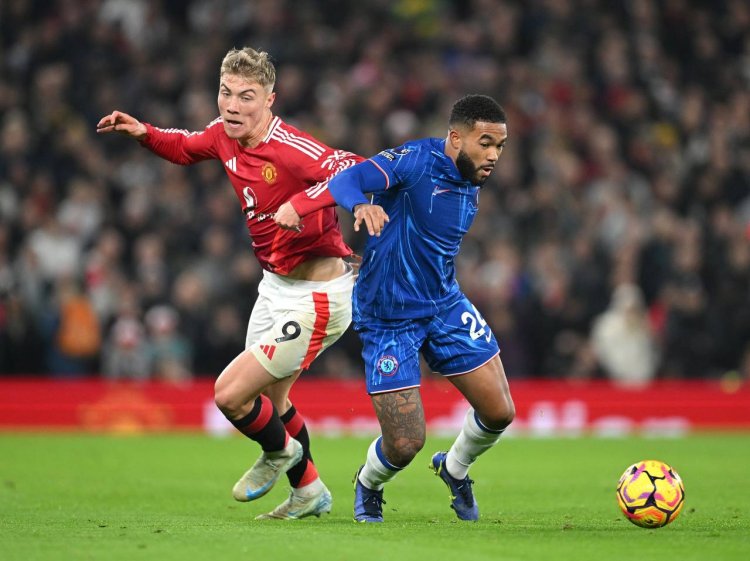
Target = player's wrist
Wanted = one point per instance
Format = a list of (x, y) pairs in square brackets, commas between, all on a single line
[(141, 134), (141, 131), (350, 200), (295, 208)]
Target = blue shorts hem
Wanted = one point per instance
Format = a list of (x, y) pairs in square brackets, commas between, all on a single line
[(466, 370), (391, 388)]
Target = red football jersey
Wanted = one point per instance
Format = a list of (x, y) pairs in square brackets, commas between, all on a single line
[(287, 164)]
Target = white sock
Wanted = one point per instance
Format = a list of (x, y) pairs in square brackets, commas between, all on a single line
[(473, 441), (377, 470), (310, 490)]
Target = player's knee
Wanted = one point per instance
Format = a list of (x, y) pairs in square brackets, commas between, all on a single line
[(403, 450), (227, 402), (507, 415), (500, 415)]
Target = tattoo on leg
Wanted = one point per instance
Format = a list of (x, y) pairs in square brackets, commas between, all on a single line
[(402, 423)]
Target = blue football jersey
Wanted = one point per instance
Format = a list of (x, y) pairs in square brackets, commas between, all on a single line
[(409, 271)]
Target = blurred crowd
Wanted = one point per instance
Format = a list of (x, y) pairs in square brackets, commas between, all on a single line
[(613, 240)]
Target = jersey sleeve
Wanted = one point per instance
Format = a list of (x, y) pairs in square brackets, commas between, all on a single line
[(396, 164), (319, 172), (389, 169), (383, 171), (181, 146), (349, 187)]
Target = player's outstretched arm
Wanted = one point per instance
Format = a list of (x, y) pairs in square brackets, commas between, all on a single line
[(374, 217), (117, 121)]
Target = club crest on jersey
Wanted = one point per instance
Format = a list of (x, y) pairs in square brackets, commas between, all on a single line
[(387, 365), (268, 171)]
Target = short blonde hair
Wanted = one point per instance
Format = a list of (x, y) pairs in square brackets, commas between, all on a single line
[(251, 65)]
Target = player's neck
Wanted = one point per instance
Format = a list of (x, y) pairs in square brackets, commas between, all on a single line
[(259, 132)]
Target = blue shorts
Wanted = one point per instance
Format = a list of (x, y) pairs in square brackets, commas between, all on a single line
[(455, 341)]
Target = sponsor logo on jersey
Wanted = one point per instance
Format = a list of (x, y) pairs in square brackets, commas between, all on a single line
[(231, 164), (387, 365), (251, 201), (269, 173), (268, 350), (393, 153)]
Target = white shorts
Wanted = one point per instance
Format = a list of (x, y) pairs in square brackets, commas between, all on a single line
[(293, 321)]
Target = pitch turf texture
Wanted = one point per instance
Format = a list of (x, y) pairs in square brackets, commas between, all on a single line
[(82, 497)]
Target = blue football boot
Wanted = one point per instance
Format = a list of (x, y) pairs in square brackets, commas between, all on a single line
[(462, 497), (368, 504)]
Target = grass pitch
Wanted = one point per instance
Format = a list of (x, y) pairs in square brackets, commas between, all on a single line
[(82, 497)]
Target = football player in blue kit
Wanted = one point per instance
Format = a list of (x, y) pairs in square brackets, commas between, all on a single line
[(407, 301)]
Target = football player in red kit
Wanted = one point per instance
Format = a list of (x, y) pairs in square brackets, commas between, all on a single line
[(304, 299)]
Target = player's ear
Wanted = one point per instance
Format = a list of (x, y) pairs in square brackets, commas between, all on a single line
[(270, 99), (454, 137)]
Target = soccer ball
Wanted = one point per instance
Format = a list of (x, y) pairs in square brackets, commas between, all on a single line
[(650, 494)]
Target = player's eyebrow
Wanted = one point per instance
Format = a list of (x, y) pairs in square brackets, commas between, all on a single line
[(491, 138), (248, 90)]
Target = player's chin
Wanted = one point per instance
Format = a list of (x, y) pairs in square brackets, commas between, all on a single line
[(482, 175), (234, 131)]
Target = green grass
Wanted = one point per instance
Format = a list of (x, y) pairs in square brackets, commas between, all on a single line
[(168, 497)]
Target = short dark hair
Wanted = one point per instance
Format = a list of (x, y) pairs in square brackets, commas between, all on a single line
[(474, 107)]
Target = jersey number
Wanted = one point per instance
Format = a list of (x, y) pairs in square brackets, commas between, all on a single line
[(291, 330), (476, 320)]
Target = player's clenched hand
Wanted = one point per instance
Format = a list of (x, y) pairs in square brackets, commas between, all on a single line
[(287, 218), (373, 216), (118, 121)]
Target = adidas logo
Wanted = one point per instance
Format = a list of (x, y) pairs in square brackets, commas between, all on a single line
[(268, 350), (231, 163)]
